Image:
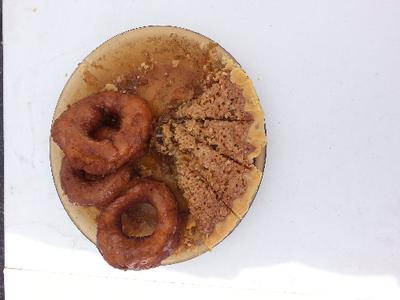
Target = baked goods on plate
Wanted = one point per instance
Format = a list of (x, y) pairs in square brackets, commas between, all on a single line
[(169, 109)]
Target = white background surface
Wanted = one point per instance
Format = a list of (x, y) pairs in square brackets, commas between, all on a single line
[(326, 221)]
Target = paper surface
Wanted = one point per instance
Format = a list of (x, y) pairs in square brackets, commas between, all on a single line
[(326, 221)]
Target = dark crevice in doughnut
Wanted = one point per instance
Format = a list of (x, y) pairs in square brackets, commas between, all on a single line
[(135, 172), (109, 124), (86, 177), (139, 220), (111, 119)]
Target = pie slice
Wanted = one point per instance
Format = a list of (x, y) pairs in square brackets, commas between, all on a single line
[(214, 219), (226, 137), (213, 140)]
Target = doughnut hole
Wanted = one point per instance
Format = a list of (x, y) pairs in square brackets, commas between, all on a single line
[(108, 124), (139, 220)]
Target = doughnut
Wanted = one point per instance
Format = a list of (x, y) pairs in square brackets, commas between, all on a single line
[(137, 253), (100, 133), (87, 190)]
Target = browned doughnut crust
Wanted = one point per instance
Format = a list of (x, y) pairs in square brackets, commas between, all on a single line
[(76, 131), (89, 190), (133, 253)]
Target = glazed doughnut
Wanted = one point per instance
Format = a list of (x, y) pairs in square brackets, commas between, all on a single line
[(102, 132), (86, 190), (124, 252)]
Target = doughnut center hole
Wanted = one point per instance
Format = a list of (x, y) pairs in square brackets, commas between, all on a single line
[(139, 220), (109, 124)]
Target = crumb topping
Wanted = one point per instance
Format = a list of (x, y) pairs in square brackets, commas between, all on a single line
[(206, 137)]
